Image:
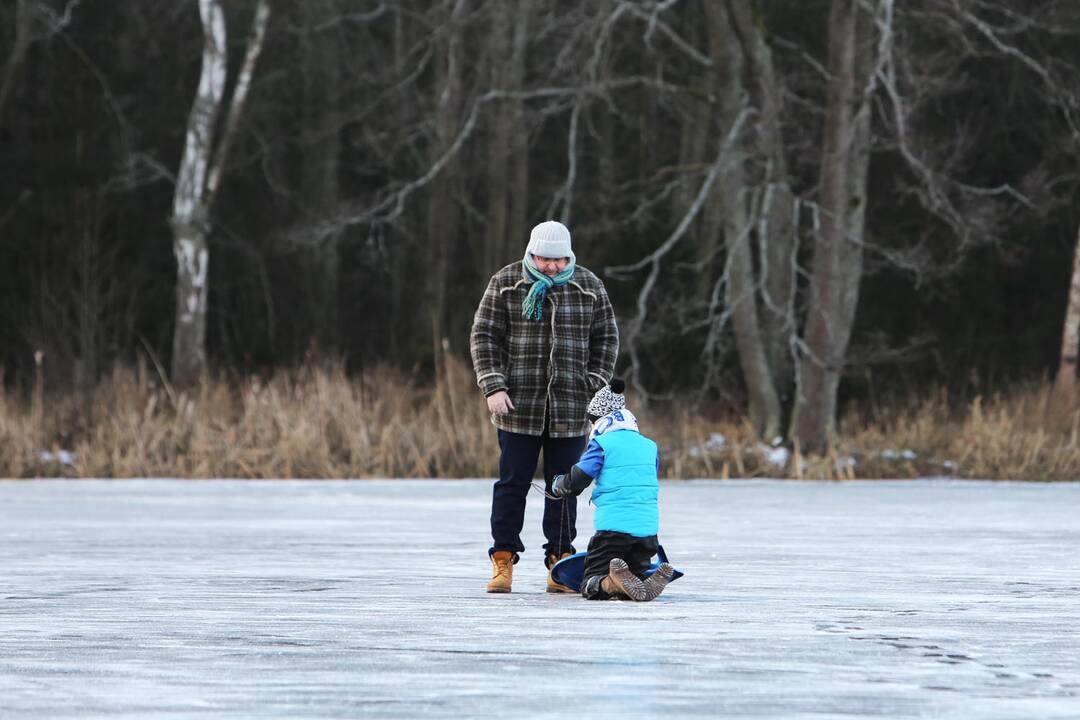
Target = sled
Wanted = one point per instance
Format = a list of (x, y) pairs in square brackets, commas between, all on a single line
[(571, 570)]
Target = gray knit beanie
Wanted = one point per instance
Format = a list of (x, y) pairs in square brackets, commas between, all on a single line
[(550, 239)]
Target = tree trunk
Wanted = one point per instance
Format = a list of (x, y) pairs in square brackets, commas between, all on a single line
[(837, 261), (777, 227), (1065, 382), (402, 312), (498, 165), (517, 226), (189, 336), (320, 151), (734, 200), (197, 182), (191, 204), (694, 134), (698, 129), (505, 217), (443, 219)]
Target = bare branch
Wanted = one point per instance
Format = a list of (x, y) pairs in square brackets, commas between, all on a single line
[(723, 158), (392, 206), (934, 186), (652, 20), (1061, 97)]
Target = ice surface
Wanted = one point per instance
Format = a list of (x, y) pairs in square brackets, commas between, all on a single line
[(241, 599)]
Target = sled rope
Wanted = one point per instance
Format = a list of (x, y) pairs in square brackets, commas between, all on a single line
[(563, 516), (543, 491)]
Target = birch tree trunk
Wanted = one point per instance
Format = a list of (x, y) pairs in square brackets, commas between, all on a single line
[(1065, 382), (734, 201), (201, 167), (837, 263), (191, 204)]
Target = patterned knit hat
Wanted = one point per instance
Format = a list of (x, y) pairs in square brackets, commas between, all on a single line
[(607, 399)]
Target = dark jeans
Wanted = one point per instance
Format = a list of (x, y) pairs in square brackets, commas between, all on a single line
[(517, 463), (604, 547)]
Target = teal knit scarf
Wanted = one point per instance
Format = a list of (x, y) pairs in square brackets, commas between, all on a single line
[(533, 305)]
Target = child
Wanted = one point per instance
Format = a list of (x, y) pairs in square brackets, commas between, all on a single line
[(623, 463)]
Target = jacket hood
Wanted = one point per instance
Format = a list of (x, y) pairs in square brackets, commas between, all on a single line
[(621, 419)]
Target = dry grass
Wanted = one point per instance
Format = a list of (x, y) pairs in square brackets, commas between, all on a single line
[(320, 423), (312, 423)]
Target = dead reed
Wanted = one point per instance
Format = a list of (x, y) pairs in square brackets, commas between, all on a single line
[(321, 423)]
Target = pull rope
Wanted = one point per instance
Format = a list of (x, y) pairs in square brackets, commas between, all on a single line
[(564, 514), (564, 520), (543, 491), (564, 517)]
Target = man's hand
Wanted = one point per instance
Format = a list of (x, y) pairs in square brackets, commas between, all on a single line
[(499, 403)]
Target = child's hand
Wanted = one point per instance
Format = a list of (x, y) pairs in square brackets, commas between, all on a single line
[(560, 486)]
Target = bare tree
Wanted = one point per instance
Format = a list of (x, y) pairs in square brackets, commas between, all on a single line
[(444, 215), (321, 63), (838, 251), (751, 208), (735, 203), (685, 132), (199, 178), (507, 175), (777, 221)]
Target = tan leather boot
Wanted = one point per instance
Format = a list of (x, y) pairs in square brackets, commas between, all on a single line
[(552, 586), (655, 583), (621, 583), (502, 572)]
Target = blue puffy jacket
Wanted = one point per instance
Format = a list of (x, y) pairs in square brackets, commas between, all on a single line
[(624, 465)]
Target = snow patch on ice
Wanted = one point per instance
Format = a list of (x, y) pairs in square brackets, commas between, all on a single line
[(64, 457), (714, 444), (776, 456)]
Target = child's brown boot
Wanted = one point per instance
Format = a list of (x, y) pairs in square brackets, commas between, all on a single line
[(502, 571), (655, 583), (621, 583), (552, 586)]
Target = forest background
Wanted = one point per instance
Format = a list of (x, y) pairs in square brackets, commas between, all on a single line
[(247, 239)]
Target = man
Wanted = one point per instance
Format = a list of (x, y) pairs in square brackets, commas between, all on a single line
[(543, 341)]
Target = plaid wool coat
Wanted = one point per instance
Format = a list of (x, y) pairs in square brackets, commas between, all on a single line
[(550, 367)]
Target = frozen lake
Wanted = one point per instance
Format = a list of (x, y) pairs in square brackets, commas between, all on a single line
[(241, 599)]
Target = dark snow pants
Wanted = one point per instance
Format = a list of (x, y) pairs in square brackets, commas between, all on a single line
[(517, 463), (604, 547)]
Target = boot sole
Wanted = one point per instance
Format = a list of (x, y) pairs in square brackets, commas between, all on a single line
[(625, 581), (655, 583), (559, 590), (498, 590)]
